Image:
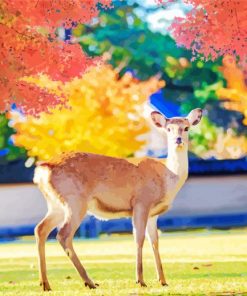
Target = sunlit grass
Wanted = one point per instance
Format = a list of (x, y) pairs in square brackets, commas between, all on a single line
[(196, 263)]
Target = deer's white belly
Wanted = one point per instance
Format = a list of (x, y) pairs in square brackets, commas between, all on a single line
[(97, 211)]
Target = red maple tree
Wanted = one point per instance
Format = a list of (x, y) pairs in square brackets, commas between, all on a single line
[(29, 46), (213, 28)]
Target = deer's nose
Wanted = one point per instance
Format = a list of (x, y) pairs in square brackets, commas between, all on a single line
[(179, 140)]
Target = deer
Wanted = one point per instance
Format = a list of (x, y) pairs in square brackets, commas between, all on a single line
[(76, 183)]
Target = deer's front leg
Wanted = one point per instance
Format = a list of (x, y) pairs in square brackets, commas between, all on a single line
[(140, 216), (153, 237)]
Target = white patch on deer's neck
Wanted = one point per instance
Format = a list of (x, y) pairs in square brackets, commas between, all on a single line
[(177, 161)]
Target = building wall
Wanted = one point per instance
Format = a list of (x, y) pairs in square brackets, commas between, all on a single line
[(23, 204)]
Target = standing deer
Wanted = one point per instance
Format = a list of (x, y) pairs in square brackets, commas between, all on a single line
[(77, 183)]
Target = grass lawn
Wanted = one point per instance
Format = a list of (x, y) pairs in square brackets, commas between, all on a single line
[(196, 263)]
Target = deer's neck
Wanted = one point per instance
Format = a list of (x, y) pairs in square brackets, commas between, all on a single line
[(177, 162)]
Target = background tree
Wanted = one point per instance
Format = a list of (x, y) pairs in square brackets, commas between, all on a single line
[(126, 36), (104, 115)]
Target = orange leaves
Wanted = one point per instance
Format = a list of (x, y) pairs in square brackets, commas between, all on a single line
[(103, 115), (55, 13), (236, 92), (29, 46)]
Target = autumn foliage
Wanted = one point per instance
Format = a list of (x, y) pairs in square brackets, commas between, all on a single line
[(210, 141), (29, 46), (235, 94), (104, 115), (213, 28)]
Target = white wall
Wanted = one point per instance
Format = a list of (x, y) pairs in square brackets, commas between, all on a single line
[(212, 195), (23, 204)]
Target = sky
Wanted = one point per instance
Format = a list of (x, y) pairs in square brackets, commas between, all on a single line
[(161, 19)]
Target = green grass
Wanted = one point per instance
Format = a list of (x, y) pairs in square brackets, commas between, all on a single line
[(196, 263)]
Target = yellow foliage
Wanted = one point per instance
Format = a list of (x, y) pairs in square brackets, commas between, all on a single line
[(236, 91), (103, 116), (228, 146), (210, 141)]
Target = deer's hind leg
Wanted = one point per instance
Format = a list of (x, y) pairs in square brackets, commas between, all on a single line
[(74, 216), (42, 231)]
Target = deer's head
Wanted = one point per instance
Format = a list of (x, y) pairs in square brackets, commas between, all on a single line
[(177, 128)]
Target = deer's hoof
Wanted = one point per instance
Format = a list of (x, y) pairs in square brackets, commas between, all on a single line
[(45, 286), (141, 283), (164, 284), (91, 285)]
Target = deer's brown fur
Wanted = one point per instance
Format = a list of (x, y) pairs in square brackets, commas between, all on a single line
[(106, 187)]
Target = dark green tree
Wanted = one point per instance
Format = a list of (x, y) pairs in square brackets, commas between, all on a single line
[(8, 152)]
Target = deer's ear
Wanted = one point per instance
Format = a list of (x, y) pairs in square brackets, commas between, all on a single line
[(195, 116), (158, 119)]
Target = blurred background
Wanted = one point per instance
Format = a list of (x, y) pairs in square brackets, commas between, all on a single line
[(108, 113)]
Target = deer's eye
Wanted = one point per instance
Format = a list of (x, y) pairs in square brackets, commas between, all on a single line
[(186, 129)]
